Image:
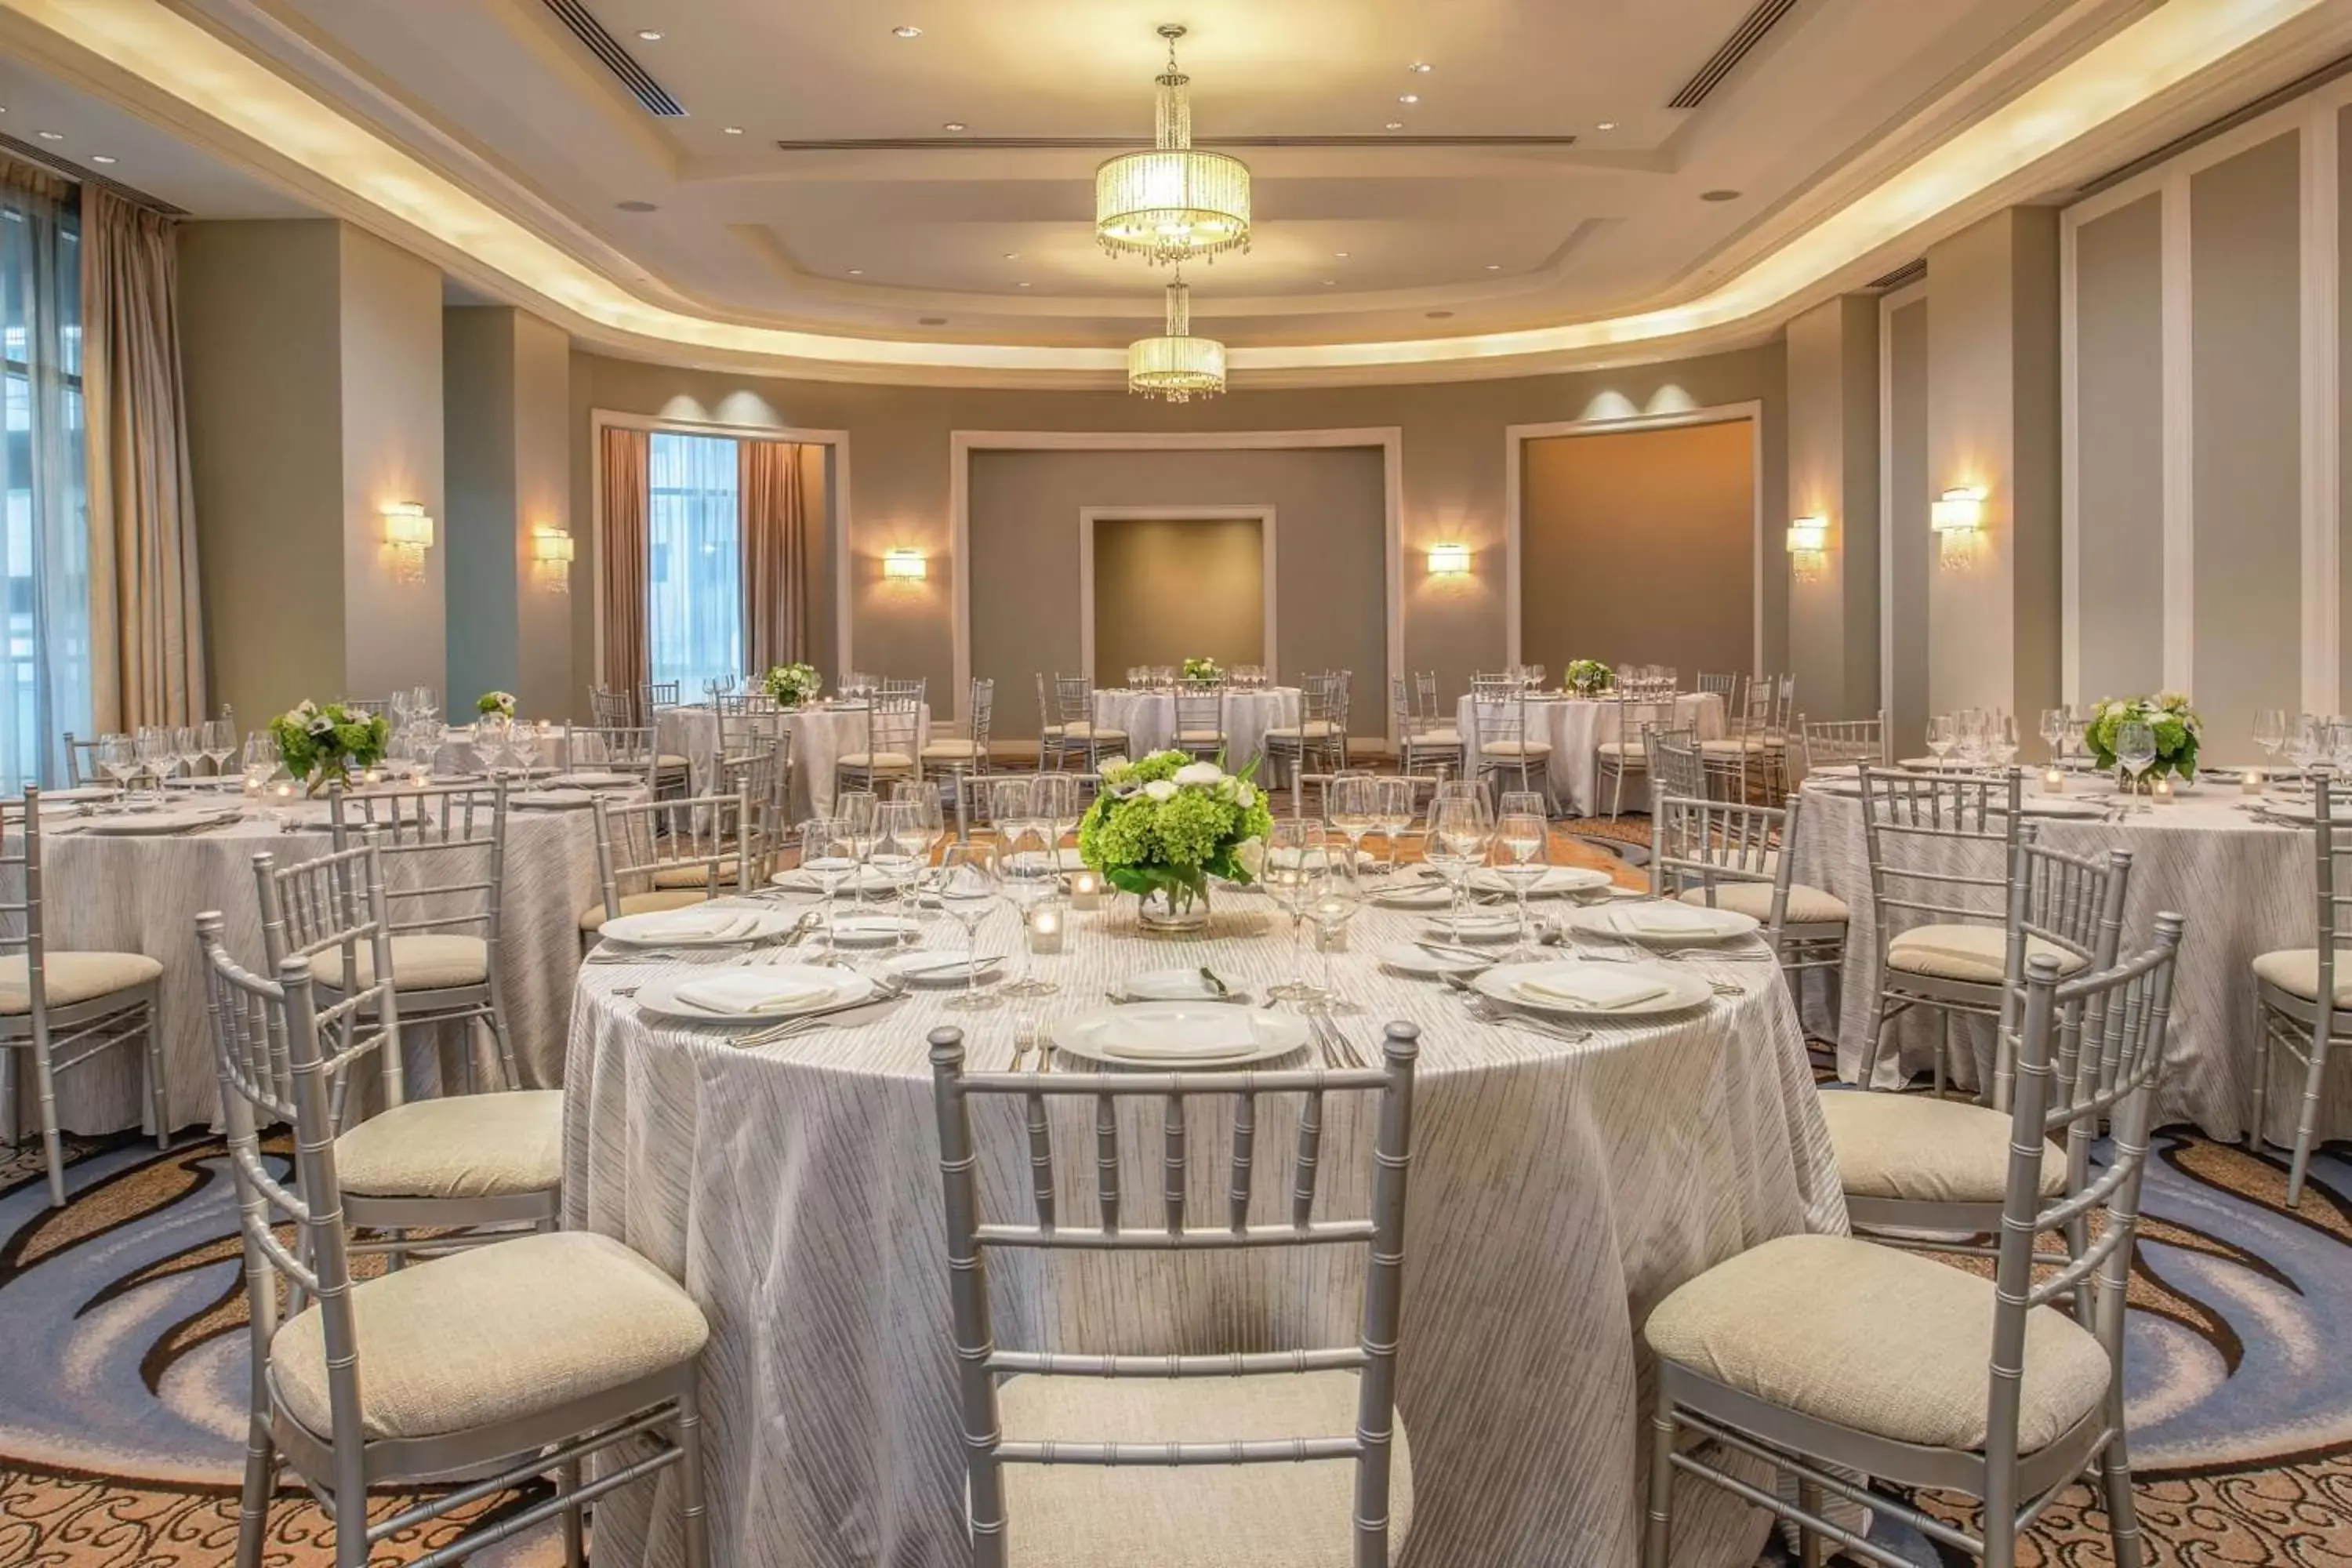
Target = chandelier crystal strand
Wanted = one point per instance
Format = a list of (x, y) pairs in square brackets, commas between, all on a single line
[(1175, 203), (1178, 366)]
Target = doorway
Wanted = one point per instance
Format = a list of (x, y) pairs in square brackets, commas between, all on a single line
[(1163, 585)]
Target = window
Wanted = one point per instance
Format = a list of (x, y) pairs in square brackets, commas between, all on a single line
[(44, 669), (693, 613)]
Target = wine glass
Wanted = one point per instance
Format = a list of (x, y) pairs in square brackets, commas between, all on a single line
[(901, 851), (2001, 740), (261, 759), (117, 756), (2306, 739), (155, 757), (965, 882), (1458, 831), (2269, 732), (217, 741), (1332, 892), (1008, 802), (1287, 877), (857, 809), (829, 854), (1522, 854), (1353, 802), (1029, 871), (926, 824), (2134, 749), (2053, 733), (522, 746), (1054, 803), (187, 750), (1392, 811), (1942, 736)]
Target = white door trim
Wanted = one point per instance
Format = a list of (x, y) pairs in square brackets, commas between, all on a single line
[(1888, 305), (1264, 516), (1514, 440), (961, 443)]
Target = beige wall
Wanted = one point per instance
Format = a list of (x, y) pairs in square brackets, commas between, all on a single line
[(1453, 484), (1143, 616), (1909, 547), (545, 680), (1834, 475), (2120, 426), (1640, 548)]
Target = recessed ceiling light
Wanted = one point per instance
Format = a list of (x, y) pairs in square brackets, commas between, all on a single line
[(858, 272), (637, 206), (1395, 125), (1408, 98), (100, 158), (1330, 282), (50, 135), (1339, 254), (1718, 195), (1606, 125), (1493, 266), (907, 31), (650, 35), (930, 321), (1421, 66), (1021, 285), (733, 130), (952, 125), (1440, 315), (1012, 256)]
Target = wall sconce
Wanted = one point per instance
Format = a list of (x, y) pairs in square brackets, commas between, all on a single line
[(1958, 518), (1809, 544), (408, 534), (1449, 560), (550, 558), (905, 566)]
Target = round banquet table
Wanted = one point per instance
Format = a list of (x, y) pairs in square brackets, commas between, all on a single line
[(823, 732), (2244, 884), (142, 894), (1149, 717), (1574, 726), (1557, 1192)]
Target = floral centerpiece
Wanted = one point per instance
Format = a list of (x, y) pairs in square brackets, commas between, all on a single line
[(501, 704), (2175, 724), (1166, 823), (793, 684), (321, 746), (1203, 669), (1588, 675)]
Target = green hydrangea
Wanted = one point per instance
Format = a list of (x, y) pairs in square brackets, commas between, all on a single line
[(2177, 729), (1148, 832)]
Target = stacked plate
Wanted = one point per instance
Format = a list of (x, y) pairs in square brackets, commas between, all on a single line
[(755, 996), (703, 925), (1163, 1036), (864, 879), (1662, 924), (1571, 989)]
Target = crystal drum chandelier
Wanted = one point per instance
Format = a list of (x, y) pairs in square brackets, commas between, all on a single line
[(1175, 203), (1178, 366)]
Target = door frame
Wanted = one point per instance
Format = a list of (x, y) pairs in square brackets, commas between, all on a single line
[(1264, 516)]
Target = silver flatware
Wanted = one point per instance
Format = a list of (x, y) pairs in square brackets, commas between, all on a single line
[(1487, 1010), (850, 1017)]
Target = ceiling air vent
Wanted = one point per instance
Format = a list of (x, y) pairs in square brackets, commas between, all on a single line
[(1744, 38), (1903, 277), (601, 44)]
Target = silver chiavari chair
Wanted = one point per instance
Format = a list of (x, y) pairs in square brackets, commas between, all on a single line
[(1070, 727), (1739, 761), (1034, 1496), (363, 704), (500, 1363), (1838, 742), (962, 760), (2288, 984), (614, 748), (759, 768), (1319, 741), (610, 710), (1426, 741), (445, 931), (61, 1009), (1500, 742), (81, 763), (1619, 753), (470, 1167), (1723, 686), (1825, 1357), (1675, 768), (1778, 728), (1200, 720), (1736, 856), (893, 746), (655, 695), (670, 855)]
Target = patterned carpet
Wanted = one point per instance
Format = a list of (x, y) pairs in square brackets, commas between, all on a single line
[(122, 1367)]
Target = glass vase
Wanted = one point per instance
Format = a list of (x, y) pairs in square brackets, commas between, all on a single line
[(1178, 912)]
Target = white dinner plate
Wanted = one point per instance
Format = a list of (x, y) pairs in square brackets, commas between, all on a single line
[(156, 822), (587, 780), (735, 995), (1477, 925), (940, 967), (1414, 896), (2064, 806), (1179, 985), (1406, 958), (699, 925), (873, 931), (867, 879), (1558, 881), (1624, 923), (1175, 1034), (1673, 990)]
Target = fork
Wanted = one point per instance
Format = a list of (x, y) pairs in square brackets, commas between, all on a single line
[(1487, 1011)]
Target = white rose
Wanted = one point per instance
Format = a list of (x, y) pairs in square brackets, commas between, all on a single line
[(1250, 855), (1199, 774), (1245, 797), (321, 725), (1160, 789)]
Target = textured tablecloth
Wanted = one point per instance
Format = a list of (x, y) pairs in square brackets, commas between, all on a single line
[(1573, 726), (2245, 887), (821, 735), (1149, 720), (1559, 1192), (143, 894)]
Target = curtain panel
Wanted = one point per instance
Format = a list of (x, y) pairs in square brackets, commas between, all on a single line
[(145, 600), (775, 554), (621, 548)]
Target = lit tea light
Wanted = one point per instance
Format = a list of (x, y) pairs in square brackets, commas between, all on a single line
[(1046, 927), (2053, 782), (2252, 781), (1086, 889), (2162, 792)]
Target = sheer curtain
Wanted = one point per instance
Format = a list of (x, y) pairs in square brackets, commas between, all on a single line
[(44, 686), (694, 579)]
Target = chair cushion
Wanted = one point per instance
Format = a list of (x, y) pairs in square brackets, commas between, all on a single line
[(493, 1334), (1620, 749), (1084, 729), (1917, 1146), (423, 961), (593, 917), (463, 1146), (1314, 728), (1514, 748), (70, 977), (2292, 969), (1201, 737), (1435, 738), (671, 762), (1966, 953), (1730, 746), (1221, 1516), (1807, 905), (948, 749), (1874, 1338), (695, 875), (875, 760)]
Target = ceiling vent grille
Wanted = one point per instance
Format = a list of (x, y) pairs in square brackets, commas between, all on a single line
[(73, 171), (606, 47), (1744, 38), (1903, 277)]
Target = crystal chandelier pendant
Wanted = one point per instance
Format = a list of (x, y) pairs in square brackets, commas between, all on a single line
[(1175, 203), (1177, 366)]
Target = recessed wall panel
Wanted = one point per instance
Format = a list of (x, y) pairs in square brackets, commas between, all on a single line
[(1909, 549), (2119, 440)]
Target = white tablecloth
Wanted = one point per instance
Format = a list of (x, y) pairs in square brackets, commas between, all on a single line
[(2244, 886), (1149, 720), (1573, 726), (143, 894), (821, 735), (1557, 1192)]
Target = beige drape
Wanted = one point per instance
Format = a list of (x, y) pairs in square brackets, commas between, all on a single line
[(146, 616), (626, 488), (775, 553)]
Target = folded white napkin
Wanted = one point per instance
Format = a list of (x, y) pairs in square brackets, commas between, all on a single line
[(1589, 985), (1144, 1038), (748, 990), (717, 925), (1665, 920)]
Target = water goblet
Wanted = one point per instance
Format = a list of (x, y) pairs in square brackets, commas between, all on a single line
[(1392, 811), (2134, 749), (1332, 893), (828, 854), (965, 882), (1028, 872), (1286, 878), (1522, 854)]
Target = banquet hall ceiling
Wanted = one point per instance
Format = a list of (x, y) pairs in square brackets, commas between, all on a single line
[(1540, 175)]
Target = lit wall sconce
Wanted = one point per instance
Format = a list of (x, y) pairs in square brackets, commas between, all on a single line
[(1809, 544), (1958, 518), (550, 558), (408, 534), (1449, 560), (905, 566)]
